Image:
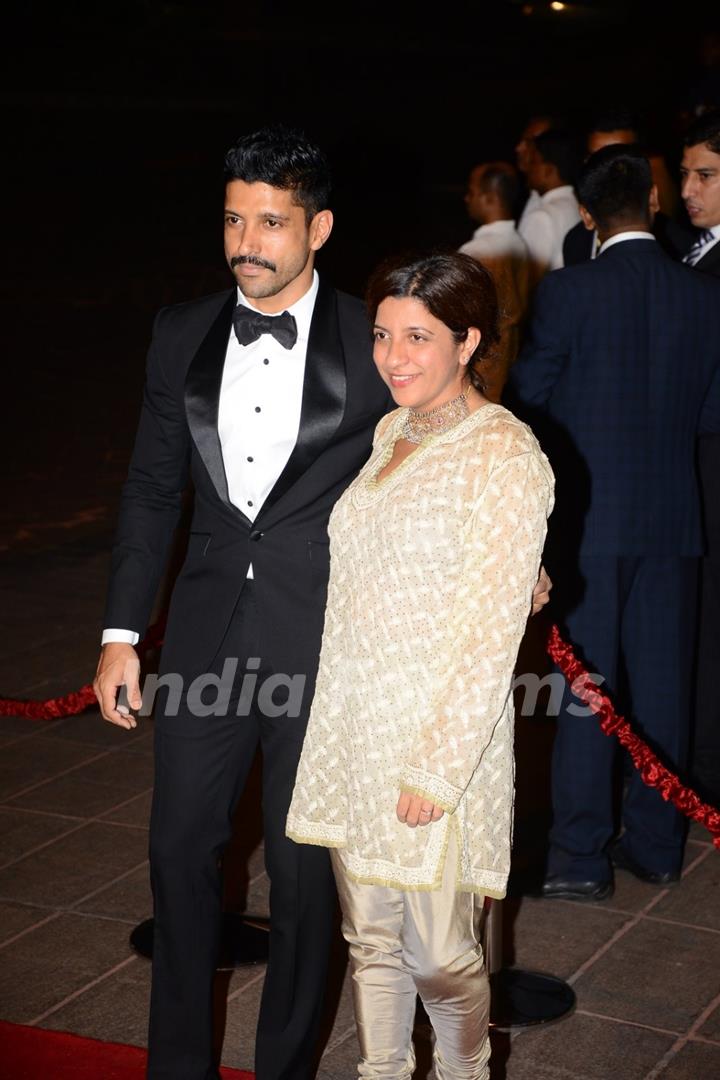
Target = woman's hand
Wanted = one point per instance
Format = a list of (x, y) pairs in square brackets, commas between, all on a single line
[(541, 592), (415, 810)]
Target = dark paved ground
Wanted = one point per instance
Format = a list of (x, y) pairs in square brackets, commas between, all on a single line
[(74, 802)]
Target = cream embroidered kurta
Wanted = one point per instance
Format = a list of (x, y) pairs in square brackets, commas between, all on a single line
[(431, 578)]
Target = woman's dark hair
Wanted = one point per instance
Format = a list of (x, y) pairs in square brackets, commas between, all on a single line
[(283, 158), (454, 288)]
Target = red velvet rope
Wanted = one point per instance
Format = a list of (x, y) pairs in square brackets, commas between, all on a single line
[(651, 769), (79, 700)]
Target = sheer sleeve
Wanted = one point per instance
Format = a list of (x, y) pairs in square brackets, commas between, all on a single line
[(503, 545)]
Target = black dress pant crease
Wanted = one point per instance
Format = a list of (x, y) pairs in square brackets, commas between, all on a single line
[(201, 766)]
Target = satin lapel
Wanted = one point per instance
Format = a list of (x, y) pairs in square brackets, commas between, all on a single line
[(202, 397), (324, 393)]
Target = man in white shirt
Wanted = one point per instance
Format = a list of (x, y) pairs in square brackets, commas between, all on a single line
[(551, 173), (524, 150), (491, 195)]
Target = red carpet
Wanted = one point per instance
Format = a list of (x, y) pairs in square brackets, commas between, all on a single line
[(29, 1053)]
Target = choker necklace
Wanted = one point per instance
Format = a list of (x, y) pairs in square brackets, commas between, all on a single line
[(437, 421)]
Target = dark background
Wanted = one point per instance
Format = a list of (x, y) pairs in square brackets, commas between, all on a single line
[(116, 120)]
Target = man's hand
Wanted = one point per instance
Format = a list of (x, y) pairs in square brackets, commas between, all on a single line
[(415, 810), (119, 665), (541, 592)]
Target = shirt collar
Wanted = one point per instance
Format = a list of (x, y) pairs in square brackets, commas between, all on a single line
[(302, 309), (561, 192), (495, 227), (629, 235)]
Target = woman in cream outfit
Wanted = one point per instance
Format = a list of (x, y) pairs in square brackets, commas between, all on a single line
[(407, 767)]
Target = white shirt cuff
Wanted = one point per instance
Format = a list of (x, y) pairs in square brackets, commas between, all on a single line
[(129, 637)]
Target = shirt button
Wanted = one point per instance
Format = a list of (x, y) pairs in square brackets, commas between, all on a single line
[(257, 408), (266, 361), (251, 459), (249, 502)]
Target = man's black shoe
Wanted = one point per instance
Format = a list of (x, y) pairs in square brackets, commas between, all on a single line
[(621, 858), (556, 888)]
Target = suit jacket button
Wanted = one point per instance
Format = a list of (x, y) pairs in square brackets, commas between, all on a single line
[(256, 535)]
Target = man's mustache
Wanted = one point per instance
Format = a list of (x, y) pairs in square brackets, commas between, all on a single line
[(251, 260)]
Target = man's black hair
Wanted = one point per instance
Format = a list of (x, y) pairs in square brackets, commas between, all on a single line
[(614, 186), (283, 158), (705, 130), (560, 149), (620, 119), (503, 181)]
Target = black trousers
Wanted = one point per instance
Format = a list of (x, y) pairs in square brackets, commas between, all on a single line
[(635, 626), (201, 765)]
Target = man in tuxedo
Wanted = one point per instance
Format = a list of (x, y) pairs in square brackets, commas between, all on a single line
[(700, 173), (267, 396), (618, 377)]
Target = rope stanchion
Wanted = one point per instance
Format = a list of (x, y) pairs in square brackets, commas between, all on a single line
[(77, 701), (651, 769)]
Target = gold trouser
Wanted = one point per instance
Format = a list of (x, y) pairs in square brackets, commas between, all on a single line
[(409, 942)]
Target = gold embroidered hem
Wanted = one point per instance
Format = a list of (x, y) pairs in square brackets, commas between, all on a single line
[(431, 788), (316, 841)]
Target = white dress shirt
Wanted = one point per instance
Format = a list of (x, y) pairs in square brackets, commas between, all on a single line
[(499, 245), (259, 411), (545, 226), (534, 200), (258, 415), (497, 240)]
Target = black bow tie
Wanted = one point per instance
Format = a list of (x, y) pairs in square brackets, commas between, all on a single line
[(250, 325)]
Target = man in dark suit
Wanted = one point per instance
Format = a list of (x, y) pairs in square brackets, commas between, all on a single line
[(700, 173), (267, 396), (612, 129), (619, 375), (581, 243)]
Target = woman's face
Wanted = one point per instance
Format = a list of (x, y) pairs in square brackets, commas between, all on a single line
[(416, 354)]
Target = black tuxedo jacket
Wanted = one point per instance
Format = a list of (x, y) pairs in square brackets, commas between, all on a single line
[(343, 398)]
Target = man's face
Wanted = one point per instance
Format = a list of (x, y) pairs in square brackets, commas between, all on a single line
[(269, 245), (474, 196), (524, 149), (700, 177), (596, 140)]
